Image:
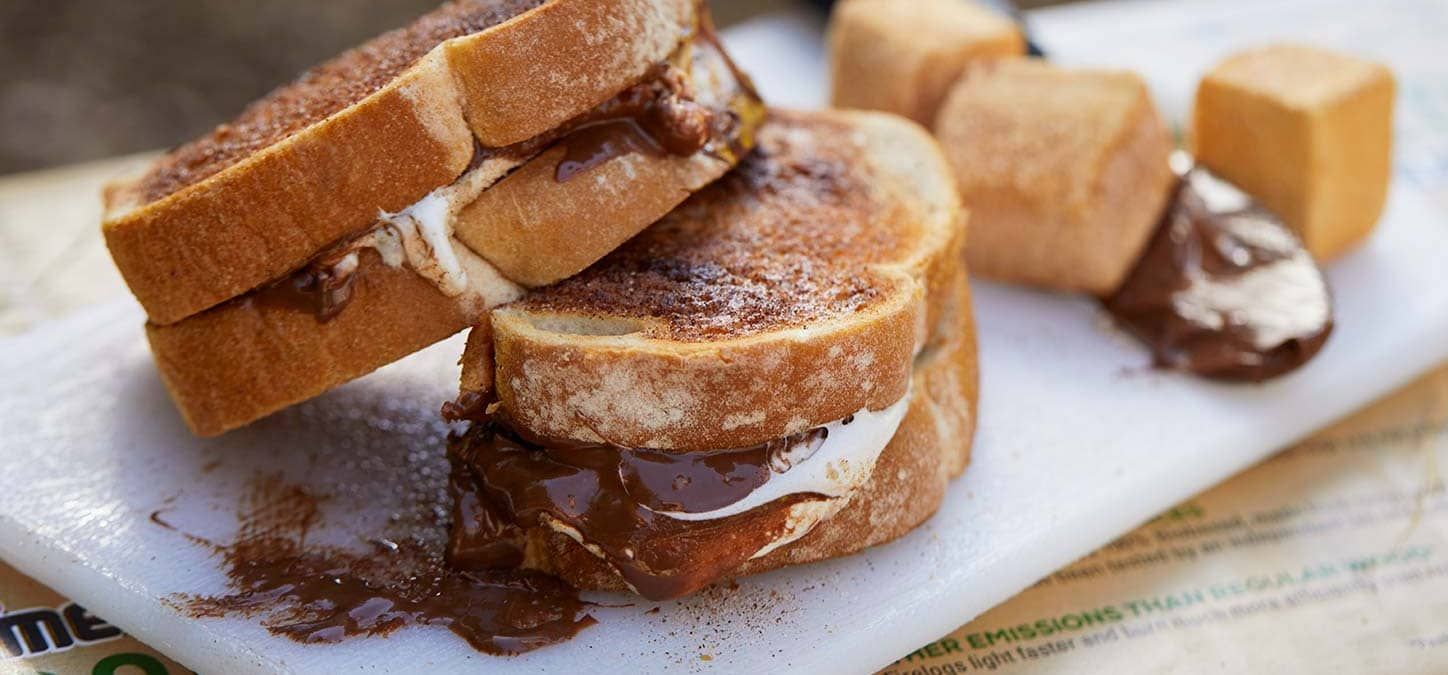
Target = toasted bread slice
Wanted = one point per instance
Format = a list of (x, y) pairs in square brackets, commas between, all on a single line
[(822, 279), (906, 487), (377, 128), (791, 293), (248, 358), (256, 354), (537, 229)]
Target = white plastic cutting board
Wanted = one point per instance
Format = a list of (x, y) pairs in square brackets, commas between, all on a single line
[(1078, 443)]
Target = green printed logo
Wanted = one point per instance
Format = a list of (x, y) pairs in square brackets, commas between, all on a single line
[(112, 665)]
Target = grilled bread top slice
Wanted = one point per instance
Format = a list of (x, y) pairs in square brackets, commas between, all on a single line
[(793, 292), (253, 355), (377, 128), (541, 223)]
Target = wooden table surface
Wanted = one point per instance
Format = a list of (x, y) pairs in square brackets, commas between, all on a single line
[(52, 258)]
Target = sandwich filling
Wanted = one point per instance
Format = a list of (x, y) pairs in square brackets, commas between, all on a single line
[(696, 102), (419, 237), (668, 522)]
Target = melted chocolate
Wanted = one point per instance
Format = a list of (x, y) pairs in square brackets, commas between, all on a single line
[(657, 117), (698, 482), (596, 144), (471, 406), (496, 611), (612, 498), (311, 593), (480, 537), (322, 288), (1224, 289)]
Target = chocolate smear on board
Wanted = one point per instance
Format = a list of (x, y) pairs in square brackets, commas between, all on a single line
[(315, 593), (1224, 290)]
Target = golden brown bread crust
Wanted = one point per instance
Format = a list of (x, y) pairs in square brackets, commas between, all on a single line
[(902, 57), (566, 58), (696, 396), (931, 447), (477, 359), (244, 359), (906, 487), (1064, 171), (212, 361), (219, 216), (269, 214), (570, 224), (689, 338), (213, 380)]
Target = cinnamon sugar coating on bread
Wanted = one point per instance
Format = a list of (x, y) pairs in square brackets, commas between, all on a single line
[(223, 371), (322, 91), (313, 164), (630, 354), (738, 258), (790, 294)]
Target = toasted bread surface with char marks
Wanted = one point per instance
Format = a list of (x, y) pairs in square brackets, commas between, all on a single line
[(375, 129), (791, 293)]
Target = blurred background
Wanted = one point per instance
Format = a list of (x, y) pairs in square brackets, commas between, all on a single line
[(85, 79)]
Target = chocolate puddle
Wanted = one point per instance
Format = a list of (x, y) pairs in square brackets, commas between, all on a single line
[(315, 593), (505, 481), (1224, 289)]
